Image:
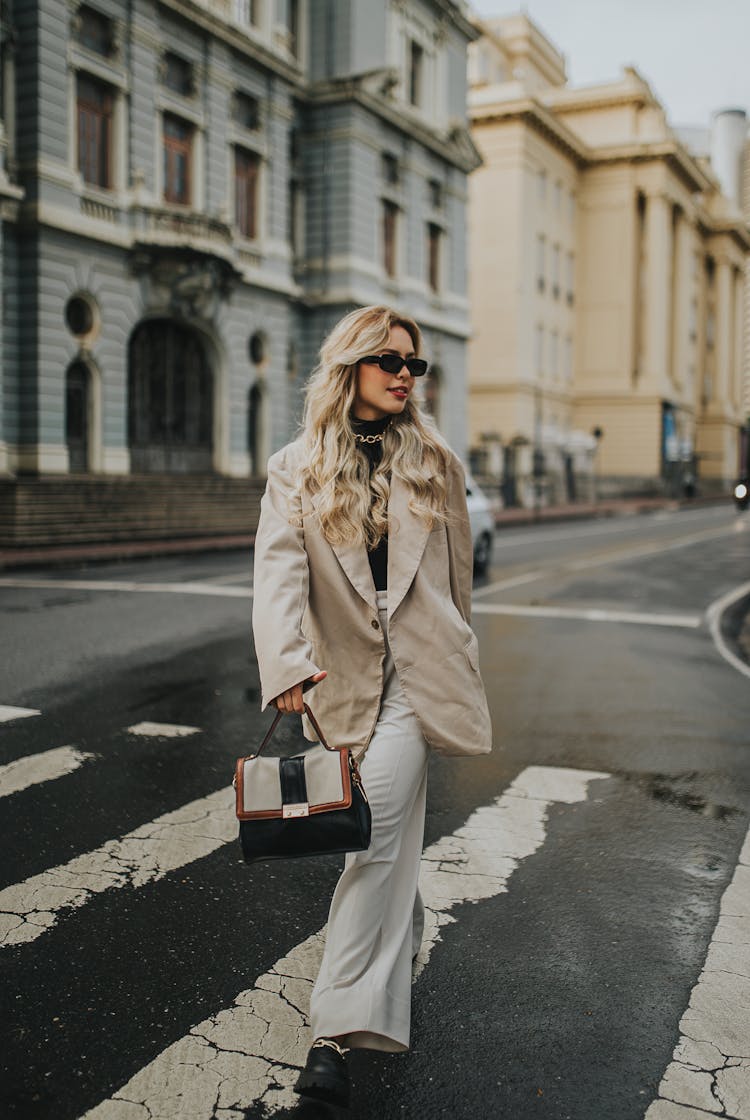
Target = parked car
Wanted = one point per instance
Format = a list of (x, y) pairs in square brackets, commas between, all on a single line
[(482, 525), (741, 493)]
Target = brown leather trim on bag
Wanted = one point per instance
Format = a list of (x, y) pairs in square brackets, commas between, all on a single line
[(264, 814)]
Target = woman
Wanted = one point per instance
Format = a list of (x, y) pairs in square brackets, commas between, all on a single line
[(363, 571)]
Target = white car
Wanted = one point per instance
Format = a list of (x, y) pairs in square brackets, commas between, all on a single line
[(482, 525)]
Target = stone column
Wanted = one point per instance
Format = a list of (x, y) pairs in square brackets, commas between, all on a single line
[(657, 325), (681, 289), (724, 346), (739, 342)]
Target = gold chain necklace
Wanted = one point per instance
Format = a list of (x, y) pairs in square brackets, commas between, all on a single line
[(369, 439)]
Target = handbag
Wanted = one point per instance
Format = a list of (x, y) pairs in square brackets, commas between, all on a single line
[(309, 805)]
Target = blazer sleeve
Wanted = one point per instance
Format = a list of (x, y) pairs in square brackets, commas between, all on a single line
[(460, 544), (280, 585)]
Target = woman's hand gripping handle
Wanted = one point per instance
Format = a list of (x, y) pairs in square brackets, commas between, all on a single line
[(291, 700)]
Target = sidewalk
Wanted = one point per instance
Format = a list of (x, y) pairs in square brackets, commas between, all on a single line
[(60, 555)]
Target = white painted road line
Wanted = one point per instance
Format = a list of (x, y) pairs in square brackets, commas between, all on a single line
[(592, 614), (605, 527), (714, 613), (616, 556), (251, 1053), (188, 588), (195, 830), (710, 1070), (512, 581), (36, 768), (7, 713), (233, 577), (162, 730), (640, 551)]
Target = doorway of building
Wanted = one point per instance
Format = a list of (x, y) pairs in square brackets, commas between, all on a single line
[(77, 412), (170, 400)]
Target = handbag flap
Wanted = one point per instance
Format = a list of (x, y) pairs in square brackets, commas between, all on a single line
[(316, 782)]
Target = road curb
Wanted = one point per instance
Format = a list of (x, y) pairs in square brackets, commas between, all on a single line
[(628, 507), (100, 552)]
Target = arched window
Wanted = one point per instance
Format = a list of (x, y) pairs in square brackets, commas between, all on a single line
[(77, 412), (170, 399)]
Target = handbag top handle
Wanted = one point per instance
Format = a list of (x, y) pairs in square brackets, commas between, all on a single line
[(273, 726)]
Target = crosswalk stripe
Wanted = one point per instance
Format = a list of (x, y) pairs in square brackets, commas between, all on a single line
[(251, 1052), (8, 713), (195, 830), (162, 730), (710, 1068), (45, 767)]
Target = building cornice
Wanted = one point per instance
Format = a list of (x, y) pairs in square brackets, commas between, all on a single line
[(455, 146), (632, 90), (456, 14), (532, 113), (537, 116), (693, 177), (736, 229), (195, 13), (219, 247), (10, 192), (509, 33)]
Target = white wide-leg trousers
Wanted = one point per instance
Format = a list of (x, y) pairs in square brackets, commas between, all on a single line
[(363, 992)]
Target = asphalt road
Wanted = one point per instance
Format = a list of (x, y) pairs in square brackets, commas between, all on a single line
[(590, 894)]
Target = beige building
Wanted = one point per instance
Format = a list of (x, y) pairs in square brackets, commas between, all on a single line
[(606, 282)]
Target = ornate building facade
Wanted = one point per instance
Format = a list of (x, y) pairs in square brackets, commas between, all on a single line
[(606, 285), (192, 192)]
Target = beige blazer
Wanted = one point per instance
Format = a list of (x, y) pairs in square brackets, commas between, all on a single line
[(314, 608)]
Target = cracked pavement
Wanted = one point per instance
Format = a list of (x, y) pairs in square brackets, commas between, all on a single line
[(251, 1053), (710, 1073), (148, 853), (590, 964)]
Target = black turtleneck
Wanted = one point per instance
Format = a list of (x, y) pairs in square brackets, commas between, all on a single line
[(373, 452)]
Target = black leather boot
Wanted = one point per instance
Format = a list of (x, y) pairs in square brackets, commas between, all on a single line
[(325, 1076)]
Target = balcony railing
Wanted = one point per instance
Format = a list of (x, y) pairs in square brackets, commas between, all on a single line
[(101, 211), (162, 225)]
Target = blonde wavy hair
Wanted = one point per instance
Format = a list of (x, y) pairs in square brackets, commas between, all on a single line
[(352, 504)]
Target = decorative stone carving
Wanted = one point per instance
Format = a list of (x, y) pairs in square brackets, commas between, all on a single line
[(185, 284)]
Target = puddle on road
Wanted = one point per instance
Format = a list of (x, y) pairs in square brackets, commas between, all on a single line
[(660, 789)]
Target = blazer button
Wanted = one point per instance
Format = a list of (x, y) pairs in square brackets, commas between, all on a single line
[(375, 624)]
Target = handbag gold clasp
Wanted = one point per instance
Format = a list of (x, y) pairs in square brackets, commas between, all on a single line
[(300, 809)]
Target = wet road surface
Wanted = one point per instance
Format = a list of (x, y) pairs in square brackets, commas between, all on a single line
[(589, 892)]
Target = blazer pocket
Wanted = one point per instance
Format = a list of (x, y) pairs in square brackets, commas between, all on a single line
[(471, 649)]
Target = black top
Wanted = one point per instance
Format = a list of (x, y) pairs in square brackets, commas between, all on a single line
[(377, 556)]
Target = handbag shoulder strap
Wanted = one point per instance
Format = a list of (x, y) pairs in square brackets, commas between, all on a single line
[(274, 725)]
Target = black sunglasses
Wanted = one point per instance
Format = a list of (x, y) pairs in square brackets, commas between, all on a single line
[(394, 363)]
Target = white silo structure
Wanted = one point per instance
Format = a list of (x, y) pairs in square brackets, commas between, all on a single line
[(728, 138)]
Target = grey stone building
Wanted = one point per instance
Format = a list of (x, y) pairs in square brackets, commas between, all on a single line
[(192, 192)]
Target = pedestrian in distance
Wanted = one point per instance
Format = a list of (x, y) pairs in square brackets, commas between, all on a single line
[(363, 579)]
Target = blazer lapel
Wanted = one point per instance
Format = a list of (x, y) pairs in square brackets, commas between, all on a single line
[(353, 560), (407, 538)]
